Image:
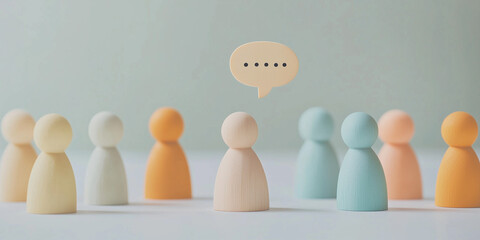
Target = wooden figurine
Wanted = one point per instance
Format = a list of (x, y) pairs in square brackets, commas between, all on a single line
[(240, 185), (18, 157), (402, 172), (51, 188), (458, 179), (167, 175), (317, 165), (361, 181), (105, 180)]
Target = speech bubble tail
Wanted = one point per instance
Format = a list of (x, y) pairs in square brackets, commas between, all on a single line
[(262, 92)]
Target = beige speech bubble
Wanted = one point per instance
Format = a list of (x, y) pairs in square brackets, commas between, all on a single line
[(264, 65)]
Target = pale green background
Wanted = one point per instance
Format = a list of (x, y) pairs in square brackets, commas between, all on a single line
[(130, 57)]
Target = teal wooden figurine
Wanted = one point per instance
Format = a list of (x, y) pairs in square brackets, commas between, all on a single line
[(361, 181), (317, 165)]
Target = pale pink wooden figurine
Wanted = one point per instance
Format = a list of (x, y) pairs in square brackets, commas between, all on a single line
[(402, 172), (241, 185)]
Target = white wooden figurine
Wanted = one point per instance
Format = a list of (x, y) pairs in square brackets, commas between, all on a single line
[(105, 180)]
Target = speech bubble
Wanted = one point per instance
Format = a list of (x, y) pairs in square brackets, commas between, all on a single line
[(264, 65)]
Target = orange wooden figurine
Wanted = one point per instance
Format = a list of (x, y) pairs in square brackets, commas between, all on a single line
[(167, 176), (402, 172), (458, 179)]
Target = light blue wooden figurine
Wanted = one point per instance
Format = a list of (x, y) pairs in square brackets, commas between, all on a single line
[(317, 165), (361, 182)]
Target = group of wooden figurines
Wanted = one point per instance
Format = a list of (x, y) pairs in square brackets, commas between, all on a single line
[(47, 182), (364, 182)]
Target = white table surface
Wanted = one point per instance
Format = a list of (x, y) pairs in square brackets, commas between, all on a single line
[(288, 218)]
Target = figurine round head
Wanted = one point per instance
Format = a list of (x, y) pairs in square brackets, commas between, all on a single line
[(396, 126), (105, 129), (459, 129), (17, 127), (316, 124), (52, 133), (166, 124), (359, 130), (239, 130)]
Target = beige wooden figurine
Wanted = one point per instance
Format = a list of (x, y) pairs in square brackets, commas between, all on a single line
[(18, 157), (51, 188), (241, 185)]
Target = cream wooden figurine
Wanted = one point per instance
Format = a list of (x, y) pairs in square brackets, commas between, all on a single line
[(241, 185), (18, 157), (51, 188), (105, 180)]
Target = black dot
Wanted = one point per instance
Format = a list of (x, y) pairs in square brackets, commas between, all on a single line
[(256, 64), (284, 64), (266, 64), (276, 64), (245, 64)]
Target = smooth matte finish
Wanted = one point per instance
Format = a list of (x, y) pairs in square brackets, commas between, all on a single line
[(53, 134), (241, 184), (105, 129), (361, 181), (317, 163), (359, 130), (167, 175), (17, 126), (106, 180), (15, 168), (18, 157), (399, 162), (458, 178), (264, 65), (51, 187)]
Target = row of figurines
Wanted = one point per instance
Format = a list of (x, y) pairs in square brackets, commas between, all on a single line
[(47, 182), (365, 182)]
